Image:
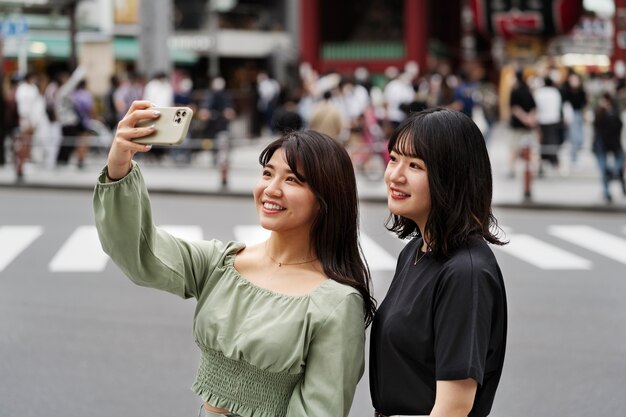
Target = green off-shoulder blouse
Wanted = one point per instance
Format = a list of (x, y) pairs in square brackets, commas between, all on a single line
[(263, 354)]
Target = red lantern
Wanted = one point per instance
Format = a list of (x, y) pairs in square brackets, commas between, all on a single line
[(526, 18)]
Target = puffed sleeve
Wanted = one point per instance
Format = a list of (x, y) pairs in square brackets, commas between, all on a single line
[(149, 256), (463, 316), (334, 364)]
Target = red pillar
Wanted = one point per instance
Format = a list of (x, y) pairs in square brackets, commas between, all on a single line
[(416, 31), (310, 33), (619, 33)]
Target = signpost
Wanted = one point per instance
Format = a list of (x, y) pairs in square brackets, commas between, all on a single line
[(16, 29)]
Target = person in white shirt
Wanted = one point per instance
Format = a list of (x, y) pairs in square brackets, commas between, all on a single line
[(33, 122), (549, 102), (159, 91)]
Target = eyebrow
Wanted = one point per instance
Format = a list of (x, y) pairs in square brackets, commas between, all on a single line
[(274, 168)]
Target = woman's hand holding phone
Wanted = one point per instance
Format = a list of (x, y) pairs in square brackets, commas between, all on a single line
[(123, 147)]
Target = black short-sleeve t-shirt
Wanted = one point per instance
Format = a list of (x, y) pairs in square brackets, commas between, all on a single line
[(440, 320)]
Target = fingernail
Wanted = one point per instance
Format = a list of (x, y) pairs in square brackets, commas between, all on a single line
[(148, 147), (156, 112), (152, 126)]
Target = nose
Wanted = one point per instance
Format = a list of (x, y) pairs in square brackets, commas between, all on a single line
[(273, 189), (395, 173)]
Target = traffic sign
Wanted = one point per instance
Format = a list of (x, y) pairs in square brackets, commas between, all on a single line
[(13, 27)]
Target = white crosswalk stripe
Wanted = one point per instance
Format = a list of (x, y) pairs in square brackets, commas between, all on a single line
[(81, 252), (592, 239), (541, 254), (14, 239)]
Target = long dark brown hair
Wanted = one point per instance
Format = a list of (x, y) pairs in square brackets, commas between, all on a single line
[(321, 162), (459, 177)]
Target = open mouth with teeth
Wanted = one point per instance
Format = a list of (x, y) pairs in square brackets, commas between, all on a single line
[(272, 206), (397, 193)]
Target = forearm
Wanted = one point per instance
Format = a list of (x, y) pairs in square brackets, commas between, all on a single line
[(454, 398)]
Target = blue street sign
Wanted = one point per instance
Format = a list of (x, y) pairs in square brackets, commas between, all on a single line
[(13, 27)]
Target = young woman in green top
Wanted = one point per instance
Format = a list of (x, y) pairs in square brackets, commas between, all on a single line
[(280, 325)]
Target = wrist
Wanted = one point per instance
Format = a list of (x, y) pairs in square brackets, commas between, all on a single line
[(117, 173)]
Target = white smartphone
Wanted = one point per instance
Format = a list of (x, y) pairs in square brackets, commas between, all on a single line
[(171, 126)]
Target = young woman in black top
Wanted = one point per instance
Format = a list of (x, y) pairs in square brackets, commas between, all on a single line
[(438, 338)]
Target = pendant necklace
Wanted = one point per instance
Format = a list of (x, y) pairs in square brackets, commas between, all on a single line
[(280, 264), (417, 255)]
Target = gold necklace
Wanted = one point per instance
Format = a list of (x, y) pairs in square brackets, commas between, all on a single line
[(417, 257), (280, 264)]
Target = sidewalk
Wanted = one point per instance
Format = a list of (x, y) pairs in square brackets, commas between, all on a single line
[(580, 190)]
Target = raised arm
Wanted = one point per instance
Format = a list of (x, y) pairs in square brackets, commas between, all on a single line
[(123, 148)]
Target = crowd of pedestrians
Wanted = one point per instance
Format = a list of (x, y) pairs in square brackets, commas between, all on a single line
[(548, 110), (552, 109)]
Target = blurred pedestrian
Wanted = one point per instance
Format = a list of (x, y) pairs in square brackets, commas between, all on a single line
[(398, 93), (288, 339), (326, 117), (56, 134), (287, 119), (217, 112), (574, 103), (463, 98), (438, 338), (34, 125), (85, 108), (67, 115), (110, 113), (523, 121), (549, 110), (268, 90), (11, 117), (607, 143)]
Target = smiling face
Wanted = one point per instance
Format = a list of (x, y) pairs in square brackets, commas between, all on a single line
[(284, 203), (408, 192)]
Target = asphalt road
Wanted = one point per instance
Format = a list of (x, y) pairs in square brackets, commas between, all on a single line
[(77, 338)]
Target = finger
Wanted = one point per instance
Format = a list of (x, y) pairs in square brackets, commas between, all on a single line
[(132, 133), (129, 145), (132, 118), (139, 105)]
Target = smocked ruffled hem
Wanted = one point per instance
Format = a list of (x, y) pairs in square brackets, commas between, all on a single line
[(243, 388), (231, 406)]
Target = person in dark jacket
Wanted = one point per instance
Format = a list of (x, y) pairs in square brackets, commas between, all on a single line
[(607, 142)]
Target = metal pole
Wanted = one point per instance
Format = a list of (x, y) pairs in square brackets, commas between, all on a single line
[(155, 27), (527, 157), (71, 13), (214, 58)]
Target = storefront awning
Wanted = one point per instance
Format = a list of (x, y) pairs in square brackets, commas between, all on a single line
[(57, 46)]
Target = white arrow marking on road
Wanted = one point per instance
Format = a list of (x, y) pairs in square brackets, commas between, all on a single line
[(81, 252), (184, 232), (593, 239), (14, 239), (542, 254), (377, 258)]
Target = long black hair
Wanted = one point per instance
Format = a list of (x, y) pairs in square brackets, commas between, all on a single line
[(321, 162), (459, 177)]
